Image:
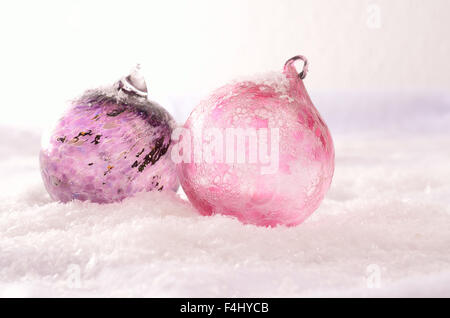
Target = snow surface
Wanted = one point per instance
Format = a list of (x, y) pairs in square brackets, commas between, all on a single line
[(386, 219)]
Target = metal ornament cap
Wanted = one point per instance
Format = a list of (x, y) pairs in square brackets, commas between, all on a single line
[(134, 83)]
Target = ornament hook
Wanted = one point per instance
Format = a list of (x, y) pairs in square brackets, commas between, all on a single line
[(304, 71), (135, 82)]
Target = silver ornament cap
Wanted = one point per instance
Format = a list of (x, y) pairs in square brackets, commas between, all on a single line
[(134, 82)]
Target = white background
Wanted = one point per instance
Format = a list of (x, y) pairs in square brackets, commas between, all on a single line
[(53, 50)]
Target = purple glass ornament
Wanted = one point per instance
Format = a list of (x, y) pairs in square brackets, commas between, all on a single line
[(110, 144)]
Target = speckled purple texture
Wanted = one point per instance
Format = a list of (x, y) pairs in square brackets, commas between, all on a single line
[(108, 146)]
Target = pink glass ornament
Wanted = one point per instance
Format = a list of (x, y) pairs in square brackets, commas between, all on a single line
[(111, 143), (250, 191)]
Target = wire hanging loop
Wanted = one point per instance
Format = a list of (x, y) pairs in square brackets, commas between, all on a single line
[(304, 71)]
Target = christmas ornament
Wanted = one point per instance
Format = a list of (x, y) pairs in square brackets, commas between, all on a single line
[(260, 151), (111, 143)]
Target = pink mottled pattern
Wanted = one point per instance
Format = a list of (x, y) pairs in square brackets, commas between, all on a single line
[(306, 153), (104, 150)]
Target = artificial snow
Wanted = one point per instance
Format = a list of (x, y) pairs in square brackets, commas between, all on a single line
[(382, 230)]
